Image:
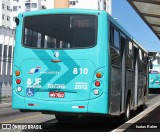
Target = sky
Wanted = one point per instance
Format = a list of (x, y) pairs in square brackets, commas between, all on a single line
[(130, 20)]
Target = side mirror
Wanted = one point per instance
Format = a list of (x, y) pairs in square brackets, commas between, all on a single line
[(17, 21), (150, 64)]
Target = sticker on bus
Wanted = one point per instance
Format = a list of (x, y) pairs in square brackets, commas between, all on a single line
[(81, 86), (34, 70), (30, 92), (56, 86), (34, 83)]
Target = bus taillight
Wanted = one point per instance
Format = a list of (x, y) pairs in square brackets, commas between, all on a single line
[(97, 83), (17, 73), (19, 88), (99, 75), (18, 81)]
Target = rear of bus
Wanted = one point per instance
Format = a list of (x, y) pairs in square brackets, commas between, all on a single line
[(154, 76), (60, 61)]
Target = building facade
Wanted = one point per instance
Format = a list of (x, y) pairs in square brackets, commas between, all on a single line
[(6, 59), (9, 10), (32, 5), (17, 6), (5, 13), (83, 4)]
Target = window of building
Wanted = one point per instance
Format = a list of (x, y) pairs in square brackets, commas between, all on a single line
[(8, 8), (5, 51), (10, 52), (8, 18), (3, 6), (73, 2), (14, 18), (34, 5), (27, 6), (14, 8), (3, 16)]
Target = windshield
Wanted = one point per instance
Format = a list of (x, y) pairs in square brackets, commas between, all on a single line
[(60, 31)]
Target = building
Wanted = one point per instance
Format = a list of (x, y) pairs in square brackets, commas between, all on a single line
[(17, 6), (5, 13), (9, 10), (32, 5), (83, 4), (6, 59)]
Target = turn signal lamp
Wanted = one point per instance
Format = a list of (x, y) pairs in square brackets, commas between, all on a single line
[(99, 75), (17, 73), (18, 81), (97, 83)]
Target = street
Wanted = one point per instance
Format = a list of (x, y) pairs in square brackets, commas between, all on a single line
[(7, 115)]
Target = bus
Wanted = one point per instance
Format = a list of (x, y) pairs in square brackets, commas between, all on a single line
[(72, 62), (154, 71)]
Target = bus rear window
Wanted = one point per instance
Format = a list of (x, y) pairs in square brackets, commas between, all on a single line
[(60, 31)]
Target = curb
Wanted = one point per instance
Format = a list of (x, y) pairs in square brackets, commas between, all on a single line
[(136, 118), (4, 105)]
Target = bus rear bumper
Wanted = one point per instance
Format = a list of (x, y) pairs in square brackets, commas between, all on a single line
[(97, 105)]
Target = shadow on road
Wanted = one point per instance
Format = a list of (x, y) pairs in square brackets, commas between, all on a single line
[(154, 91)]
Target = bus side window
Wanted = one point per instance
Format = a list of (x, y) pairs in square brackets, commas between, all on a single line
[(114, 47), (129, 57), (39, 41), (116, 39), (111, 35), (140, 61), (140, 55), (130, 49)]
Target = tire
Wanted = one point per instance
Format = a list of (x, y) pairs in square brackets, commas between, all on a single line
[(66, 118), (127, 110)]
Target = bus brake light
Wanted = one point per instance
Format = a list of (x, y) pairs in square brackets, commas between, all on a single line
[(97, 83), (18, 81)]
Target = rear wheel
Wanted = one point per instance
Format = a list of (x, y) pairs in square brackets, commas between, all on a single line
[(66, 118), (127, 110)]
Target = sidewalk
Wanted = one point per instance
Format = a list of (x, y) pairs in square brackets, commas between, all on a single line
[(5, 102)]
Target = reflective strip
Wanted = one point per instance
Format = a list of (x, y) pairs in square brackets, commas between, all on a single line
[(75, 107)]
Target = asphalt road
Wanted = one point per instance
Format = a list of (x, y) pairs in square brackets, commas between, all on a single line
[(7, 115)]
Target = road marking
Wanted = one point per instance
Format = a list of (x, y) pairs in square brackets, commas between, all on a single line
[(11, 121), (136, 118)]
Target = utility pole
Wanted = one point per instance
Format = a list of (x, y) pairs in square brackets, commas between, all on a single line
[(61, 3)]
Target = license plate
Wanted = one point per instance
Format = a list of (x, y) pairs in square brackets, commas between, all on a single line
[(56, 94)]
